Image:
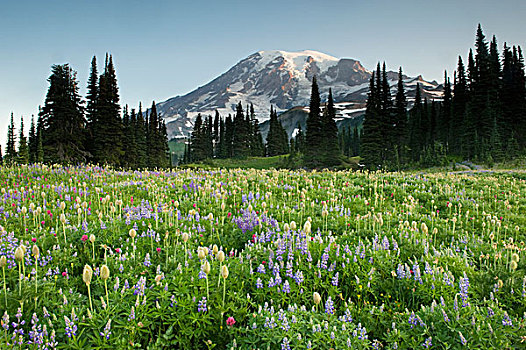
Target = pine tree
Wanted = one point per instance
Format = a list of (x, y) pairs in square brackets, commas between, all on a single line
[(371, 141), (277, 139), (23, 149), (32, 142), (140, 139), (229, 137), (459, 106), (300, 140), (62, 122), (216, 133), (221, 150), (314, 128), (400, 120), (415, 126), (329, 147), (107, 127), (197, 143), (153, 139), (240, 137), (40, 147), (92, 97), (10, 155)]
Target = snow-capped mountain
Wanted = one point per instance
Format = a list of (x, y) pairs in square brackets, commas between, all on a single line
[(282, 79)]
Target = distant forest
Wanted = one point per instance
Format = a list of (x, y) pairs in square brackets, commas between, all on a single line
[(71, 130), (481, 117)]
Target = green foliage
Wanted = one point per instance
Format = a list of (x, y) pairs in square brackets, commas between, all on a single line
[(438, 260)]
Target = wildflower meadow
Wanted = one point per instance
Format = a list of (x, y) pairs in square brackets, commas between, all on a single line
[(96, 258)]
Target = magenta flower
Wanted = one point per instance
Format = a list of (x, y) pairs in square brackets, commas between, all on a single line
[(84, 238), (230, 321)]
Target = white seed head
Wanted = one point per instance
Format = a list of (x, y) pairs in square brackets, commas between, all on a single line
[(317, 298), (87, 274), (19, 254), (224, 271), (104, 272), (36, 251)]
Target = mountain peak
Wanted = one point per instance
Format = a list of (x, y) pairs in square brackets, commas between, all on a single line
[(272, 78)]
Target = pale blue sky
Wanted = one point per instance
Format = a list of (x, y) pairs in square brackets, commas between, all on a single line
[(167, 48)]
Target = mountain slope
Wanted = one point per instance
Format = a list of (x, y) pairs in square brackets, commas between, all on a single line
[(281, 79)]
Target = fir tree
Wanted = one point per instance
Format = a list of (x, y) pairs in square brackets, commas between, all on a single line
[(92, 97), (371, 141), (314, 128), (23, 149), (10, 154), (32, 142), (140, 140), (329, 147), (107, 127), (277, 139), (400, 119), (62, 124)]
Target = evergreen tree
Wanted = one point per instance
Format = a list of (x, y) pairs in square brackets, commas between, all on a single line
[(314, 134), (400, 120), (198, 142), (277, 139), (221, 151), (165, 157), (62, 124), (140, 140), (229, 137), (10, 154), (371, 141), (40, 147), (154, 146), (329, 147), (107, 127), (299, 141), (415, 126), (459, 105), (23, 149), (240, 137), (216, 134), (92, 97), (32, 142)]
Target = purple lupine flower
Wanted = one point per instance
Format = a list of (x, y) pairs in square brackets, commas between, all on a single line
[(298, 277), (285, 344), (71, 328), (201, 305), (412, 319), (427, 344), (259, 283), (329, 306), (335, 279), (132, 314), (147, 262), (261, 268), (464, 285), (462, 339), (286, 287), (444, 314), (400, 272), (506, 320), (107, 330)]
